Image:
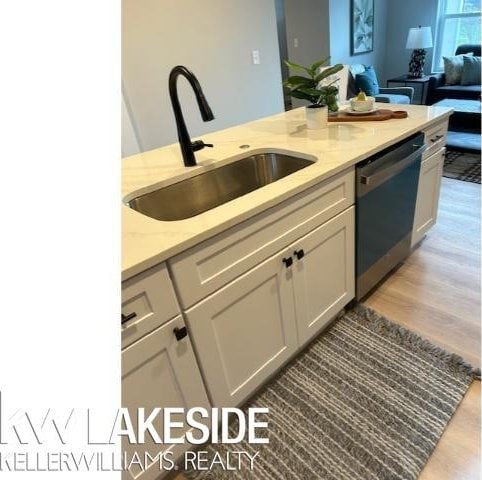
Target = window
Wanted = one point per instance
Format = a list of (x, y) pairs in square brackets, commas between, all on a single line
[(458, 23)]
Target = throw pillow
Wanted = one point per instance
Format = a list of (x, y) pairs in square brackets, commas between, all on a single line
[(368, 82), (453, 67), (471, 71)]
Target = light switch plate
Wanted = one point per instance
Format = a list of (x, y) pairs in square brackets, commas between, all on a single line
[(255, 56)]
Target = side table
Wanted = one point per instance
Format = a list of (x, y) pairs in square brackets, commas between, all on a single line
[(405, 80)]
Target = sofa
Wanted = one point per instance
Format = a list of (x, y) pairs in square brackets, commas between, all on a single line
[(438, 90), (362, 77)]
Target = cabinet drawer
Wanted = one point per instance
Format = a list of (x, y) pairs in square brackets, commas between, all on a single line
[(205, 268), (150, 296), (435, 138)]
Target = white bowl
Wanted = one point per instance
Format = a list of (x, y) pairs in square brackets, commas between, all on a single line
[(362, 105)]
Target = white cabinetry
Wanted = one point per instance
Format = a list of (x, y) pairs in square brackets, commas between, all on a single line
[(251, 296), (246, 330), (435, 137), (148, 300), (158, 369), (324, 278), (429, 181), (428, 195), (203, 269)]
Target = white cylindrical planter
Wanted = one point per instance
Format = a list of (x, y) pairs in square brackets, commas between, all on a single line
[(317, 116)]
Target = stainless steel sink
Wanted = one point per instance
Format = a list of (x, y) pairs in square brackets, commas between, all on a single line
[(203, 192)]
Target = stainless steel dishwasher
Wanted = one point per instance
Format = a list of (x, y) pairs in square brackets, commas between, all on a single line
[(386, 192)]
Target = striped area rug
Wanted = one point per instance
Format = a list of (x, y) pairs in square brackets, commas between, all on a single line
[(367, 400)]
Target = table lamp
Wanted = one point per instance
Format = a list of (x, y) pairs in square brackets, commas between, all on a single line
[(418, 40)]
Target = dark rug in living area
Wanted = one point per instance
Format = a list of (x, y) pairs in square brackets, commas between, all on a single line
[(367, 400), (462, 166)]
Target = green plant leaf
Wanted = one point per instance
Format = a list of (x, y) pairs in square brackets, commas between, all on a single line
[(330, 99), (296, 80), (306, 87), (301, 95), (318, 64), (331, 89), (332, 84), (295, 66), (329, 71), (314, 92)]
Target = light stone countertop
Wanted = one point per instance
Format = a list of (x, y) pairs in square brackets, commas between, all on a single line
[(146, 242)]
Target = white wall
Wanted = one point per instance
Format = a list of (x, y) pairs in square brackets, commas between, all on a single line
[(130, 143), (340, 35), (213, 38), (307, 21)]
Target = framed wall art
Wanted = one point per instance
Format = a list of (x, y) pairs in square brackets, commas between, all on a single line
[(362, 13)]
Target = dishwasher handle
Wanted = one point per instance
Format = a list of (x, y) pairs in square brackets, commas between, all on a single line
[(384, 174)]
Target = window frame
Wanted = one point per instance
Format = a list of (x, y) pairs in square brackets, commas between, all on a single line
[(442, 17)]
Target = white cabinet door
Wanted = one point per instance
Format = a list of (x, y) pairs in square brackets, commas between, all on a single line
[(427, 195), (159, 371), (324, 276), (245, 331)]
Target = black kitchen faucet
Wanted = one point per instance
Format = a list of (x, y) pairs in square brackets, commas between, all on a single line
[(187, 146)]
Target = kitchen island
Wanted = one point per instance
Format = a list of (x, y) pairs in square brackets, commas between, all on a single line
[(214, 305), (146, 242)]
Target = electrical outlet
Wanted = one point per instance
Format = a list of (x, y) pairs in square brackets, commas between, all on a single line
[(256, 59), (295, 43)]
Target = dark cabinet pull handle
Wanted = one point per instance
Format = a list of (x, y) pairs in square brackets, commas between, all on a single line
[(126, 318), (180, 333), (288, 262), (437, 137), (299, 253)]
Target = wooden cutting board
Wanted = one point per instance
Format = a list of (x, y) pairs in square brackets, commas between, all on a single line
[(377, 116)]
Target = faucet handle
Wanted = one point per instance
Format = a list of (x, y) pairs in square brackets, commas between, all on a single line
[(199, 145)]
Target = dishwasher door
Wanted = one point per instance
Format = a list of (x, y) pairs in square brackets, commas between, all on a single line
[(386, 191)]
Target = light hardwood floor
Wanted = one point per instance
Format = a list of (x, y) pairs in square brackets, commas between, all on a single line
[(436, 293)]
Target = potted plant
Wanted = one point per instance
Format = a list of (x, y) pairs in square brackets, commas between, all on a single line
[(308, 87)]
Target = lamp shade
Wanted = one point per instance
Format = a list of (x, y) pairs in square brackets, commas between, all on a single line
[(419, 37)]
